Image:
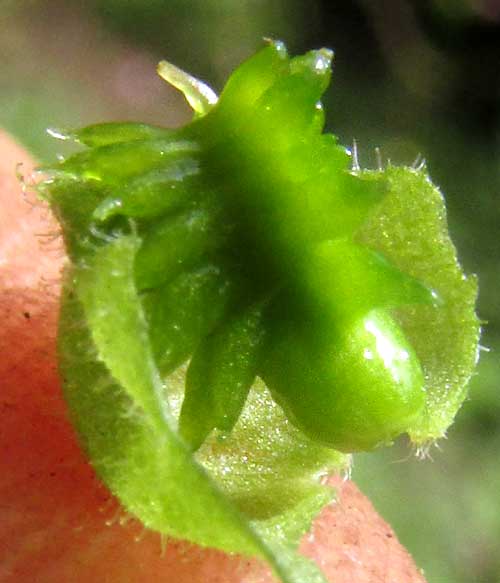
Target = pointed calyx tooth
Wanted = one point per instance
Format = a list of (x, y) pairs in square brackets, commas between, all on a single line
[(199, 95)]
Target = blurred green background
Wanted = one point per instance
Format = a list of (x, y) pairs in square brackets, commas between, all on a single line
[(413, 78)]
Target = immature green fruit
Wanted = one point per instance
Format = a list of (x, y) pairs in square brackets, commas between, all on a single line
[(247, 243), (353, 387)]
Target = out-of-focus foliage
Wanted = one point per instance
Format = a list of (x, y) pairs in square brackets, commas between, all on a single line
[(410, 77)]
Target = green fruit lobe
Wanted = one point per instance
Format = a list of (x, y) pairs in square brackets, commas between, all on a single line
[(353, 389)]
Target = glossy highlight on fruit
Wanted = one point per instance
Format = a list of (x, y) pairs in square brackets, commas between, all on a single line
[(242, 304)]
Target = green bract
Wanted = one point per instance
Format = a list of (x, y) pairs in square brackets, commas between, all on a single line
[(318, 308)]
